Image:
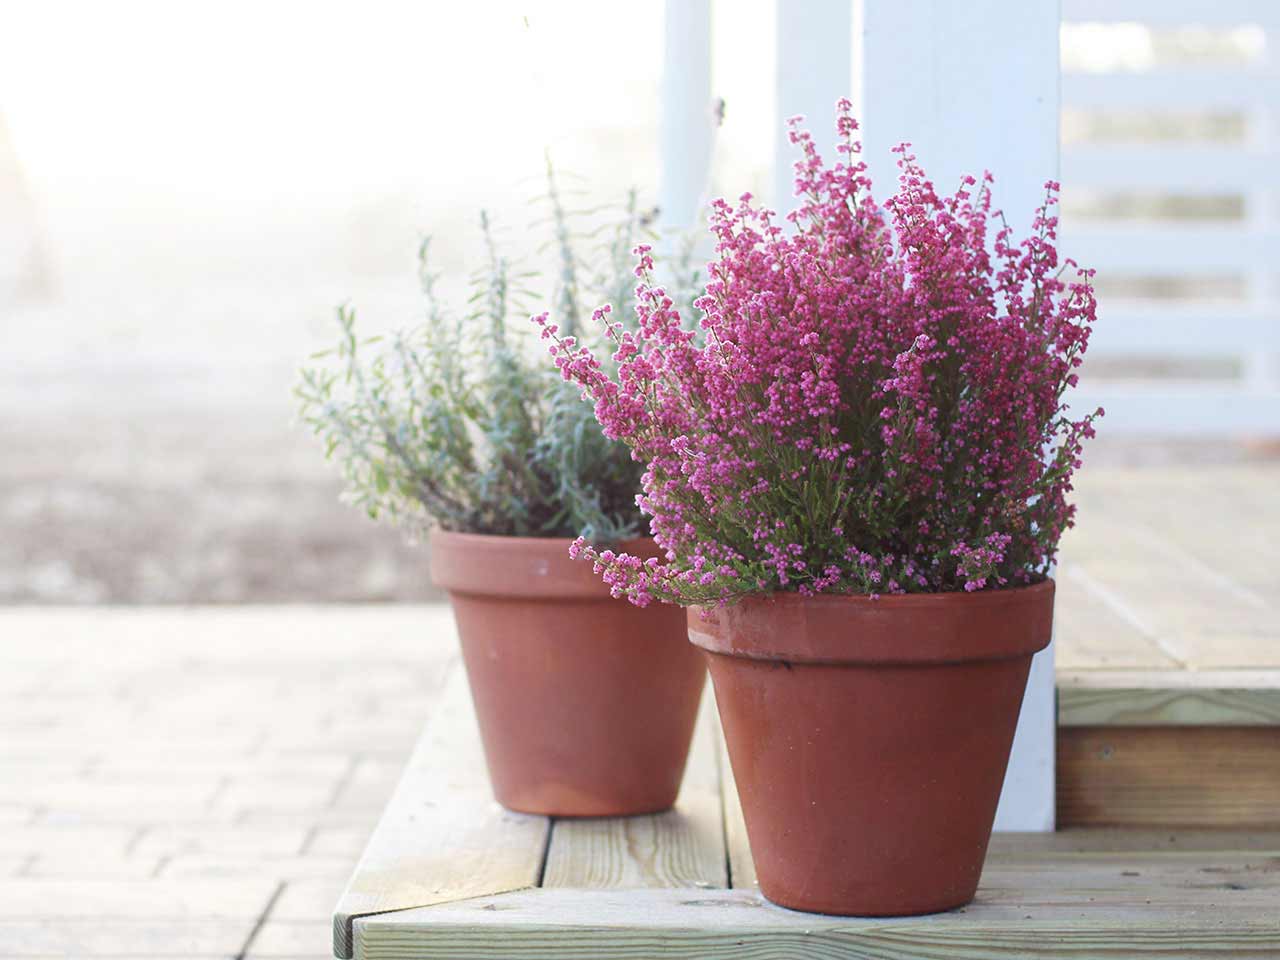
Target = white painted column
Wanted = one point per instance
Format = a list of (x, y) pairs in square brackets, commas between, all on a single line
[(974, 86), (814, 70), (687, 119)]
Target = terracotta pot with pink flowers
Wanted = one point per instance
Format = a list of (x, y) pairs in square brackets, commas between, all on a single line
[(859, 470)]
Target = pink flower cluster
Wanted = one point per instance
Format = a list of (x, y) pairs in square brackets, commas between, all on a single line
[(873, 402)]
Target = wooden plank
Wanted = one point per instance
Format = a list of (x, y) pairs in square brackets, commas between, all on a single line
[(683, 847), (1090, 632), (442, 836), (1097, 841), (1162, 913), (1151, 704), (1169, 776), (1254, 681)]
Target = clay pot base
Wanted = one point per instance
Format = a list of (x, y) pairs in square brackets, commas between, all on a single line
[(869, 786)]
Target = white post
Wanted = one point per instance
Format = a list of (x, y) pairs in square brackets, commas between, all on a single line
[(974, 87), (814, 70), (687, 121)]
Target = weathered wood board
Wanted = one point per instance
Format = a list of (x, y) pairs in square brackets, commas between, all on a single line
[(1174, 574), (442, 836), (1218, 698), (1169, 650), (449, 875), (649, 924), (1169, 722), (1206, 776), (684, 847)]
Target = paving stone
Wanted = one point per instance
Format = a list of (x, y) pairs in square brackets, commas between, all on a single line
[(60, 788), (82, 867), (362, 818), (166, 773), (283, 869), (137, 899), (88, 841), (337, 841), (174, 841), (305, 900), (283, 938), (289, 795), (16, 814), (149, 938)]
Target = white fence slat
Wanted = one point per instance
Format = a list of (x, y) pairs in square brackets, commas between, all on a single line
[(1188, 409), (1172, 90), (1163, 249), (1168, 167), (687, 123), (1173, 13), (1184, 329)]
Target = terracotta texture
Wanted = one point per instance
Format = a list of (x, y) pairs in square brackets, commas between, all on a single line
[(586, 704), (869, 738)]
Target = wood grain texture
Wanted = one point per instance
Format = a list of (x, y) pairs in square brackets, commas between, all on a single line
[(1160, 913), (1094, 632), (1153, 705), (1175, 563), (1099, 841), (683, 847), (442, 836), (1169, 776)]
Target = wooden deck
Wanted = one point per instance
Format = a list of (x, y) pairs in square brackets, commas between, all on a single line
[(1172, 571), (449, 873), (1168, 649), (1169, 722)]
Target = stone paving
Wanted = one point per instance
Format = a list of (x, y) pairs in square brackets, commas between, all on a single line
[(198, 782)]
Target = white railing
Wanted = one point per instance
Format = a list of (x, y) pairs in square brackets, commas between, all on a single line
[(992, 108), (1241, 251)]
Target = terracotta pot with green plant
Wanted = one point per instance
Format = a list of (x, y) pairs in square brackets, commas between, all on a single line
[(586, 704), (860, 474)]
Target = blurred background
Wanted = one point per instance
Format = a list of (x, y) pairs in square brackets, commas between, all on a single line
[(188, 191)]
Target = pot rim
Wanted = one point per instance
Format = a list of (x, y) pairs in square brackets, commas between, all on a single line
[(518, 567), (899, 629)]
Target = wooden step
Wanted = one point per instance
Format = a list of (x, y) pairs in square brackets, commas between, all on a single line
[(1169, 748), (1168, 650), (448, 873)]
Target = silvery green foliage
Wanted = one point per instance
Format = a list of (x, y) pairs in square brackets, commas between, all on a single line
[(461, 422)]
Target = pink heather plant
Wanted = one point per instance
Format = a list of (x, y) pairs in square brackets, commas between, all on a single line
[(875, 404)]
